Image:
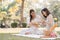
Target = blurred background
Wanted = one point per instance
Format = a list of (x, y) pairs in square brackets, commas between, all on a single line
[(15, 13)]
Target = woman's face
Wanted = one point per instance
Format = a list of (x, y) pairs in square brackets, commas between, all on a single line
[(44, 13), (33, 14)]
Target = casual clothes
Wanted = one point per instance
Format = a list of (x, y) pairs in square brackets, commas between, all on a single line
[(33, 29), (49, 24)]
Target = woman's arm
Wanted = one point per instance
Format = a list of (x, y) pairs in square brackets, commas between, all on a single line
[(53, 27), (47, 32), (50, 23), (33, 23)]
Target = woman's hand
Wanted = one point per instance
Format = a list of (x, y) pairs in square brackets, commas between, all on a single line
[(53, 27), (43, 22), (36, 24), (47, 33), (31, 24)]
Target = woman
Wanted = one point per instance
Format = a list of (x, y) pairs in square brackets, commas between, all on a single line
[(49, 22), (34, 24)]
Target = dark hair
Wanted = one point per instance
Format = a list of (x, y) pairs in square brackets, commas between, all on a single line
[(30, 14), (45, 10)]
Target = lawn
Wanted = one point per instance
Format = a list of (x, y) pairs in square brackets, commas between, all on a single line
[(11, 37)]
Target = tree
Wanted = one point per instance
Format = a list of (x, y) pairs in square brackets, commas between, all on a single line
[(0, 0), (55, 8), (22, 9)]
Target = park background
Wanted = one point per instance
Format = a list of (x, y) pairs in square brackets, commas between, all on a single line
[(15, 13), (14, 16)]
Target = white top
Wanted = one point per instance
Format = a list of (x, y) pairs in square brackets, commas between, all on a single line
[(49, 22), (37, 19)]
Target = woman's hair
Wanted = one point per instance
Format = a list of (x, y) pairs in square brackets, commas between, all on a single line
[(45, 10), (31, 10)]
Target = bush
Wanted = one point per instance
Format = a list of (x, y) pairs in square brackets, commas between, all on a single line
[(14, 25), (24, 25)]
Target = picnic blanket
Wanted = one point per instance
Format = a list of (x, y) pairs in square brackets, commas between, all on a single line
[(30, 35), (36, 36)]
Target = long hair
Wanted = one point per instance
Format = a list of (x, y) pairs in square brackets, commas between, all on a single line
[(31, 15), (45, 10)]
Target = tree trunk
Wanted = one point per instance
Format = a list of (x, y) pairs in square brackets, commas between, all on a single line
[(22, 9), (0, 0)]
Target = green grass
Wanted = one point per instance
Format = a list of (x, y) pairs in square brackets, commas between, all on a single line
[(11, 37)]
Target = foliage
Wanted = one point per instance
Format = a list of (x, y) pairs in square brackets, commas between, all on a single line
[(14, 25), (55, 8), (24, 25), (10, 5)]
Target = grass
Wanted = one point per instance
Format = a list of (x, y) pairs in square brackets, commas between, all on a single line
[(11, 37)]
